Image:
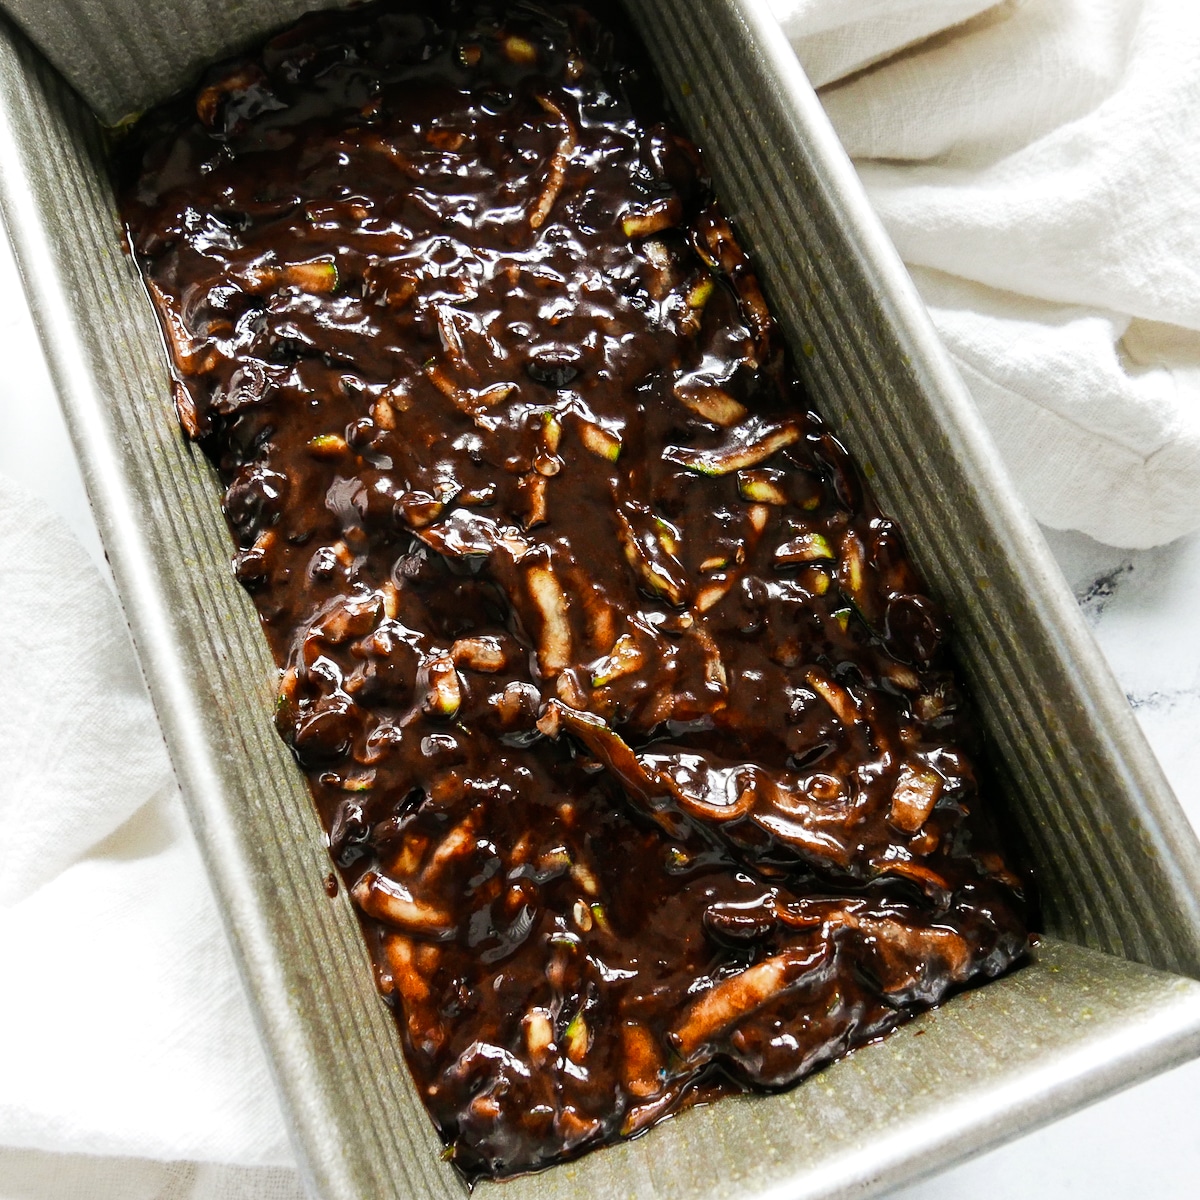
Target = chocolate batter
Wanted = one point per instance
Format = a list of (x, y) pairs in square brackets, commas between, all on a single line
[(630, 722)]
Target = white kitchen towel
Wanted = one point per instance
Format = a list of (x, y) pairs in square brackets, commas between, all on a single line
[(31, 1175), (123, 1028), (1036, 165)]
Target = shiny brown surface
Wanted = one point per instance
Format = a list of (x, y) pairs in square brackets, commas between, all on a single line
[(625, 711)]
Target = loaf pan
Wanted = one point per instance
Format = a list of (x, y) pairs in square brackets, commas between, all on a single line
[(1110, 996)]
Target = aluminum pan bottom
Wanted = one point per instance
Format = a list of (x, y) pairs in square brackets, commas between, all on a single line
[(989, 1064)]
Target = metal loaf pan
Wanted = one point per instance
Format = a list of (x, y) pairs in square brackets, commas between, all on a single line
[(1107, 1000)]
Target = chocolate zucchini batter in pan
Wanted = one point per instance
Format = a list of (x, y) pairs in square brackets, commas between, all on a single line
[(629, 719)]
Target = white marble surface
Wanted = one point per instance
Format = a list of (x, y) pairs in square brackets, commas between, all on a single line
[(1143, 610)]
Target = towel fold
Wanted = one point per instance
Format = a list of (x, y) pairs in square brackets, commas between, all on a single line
[(123, 1027), (1035, 165)]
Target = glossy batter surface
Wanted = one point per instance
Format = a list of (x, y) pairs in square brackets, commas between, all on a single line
[(628, 718)]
